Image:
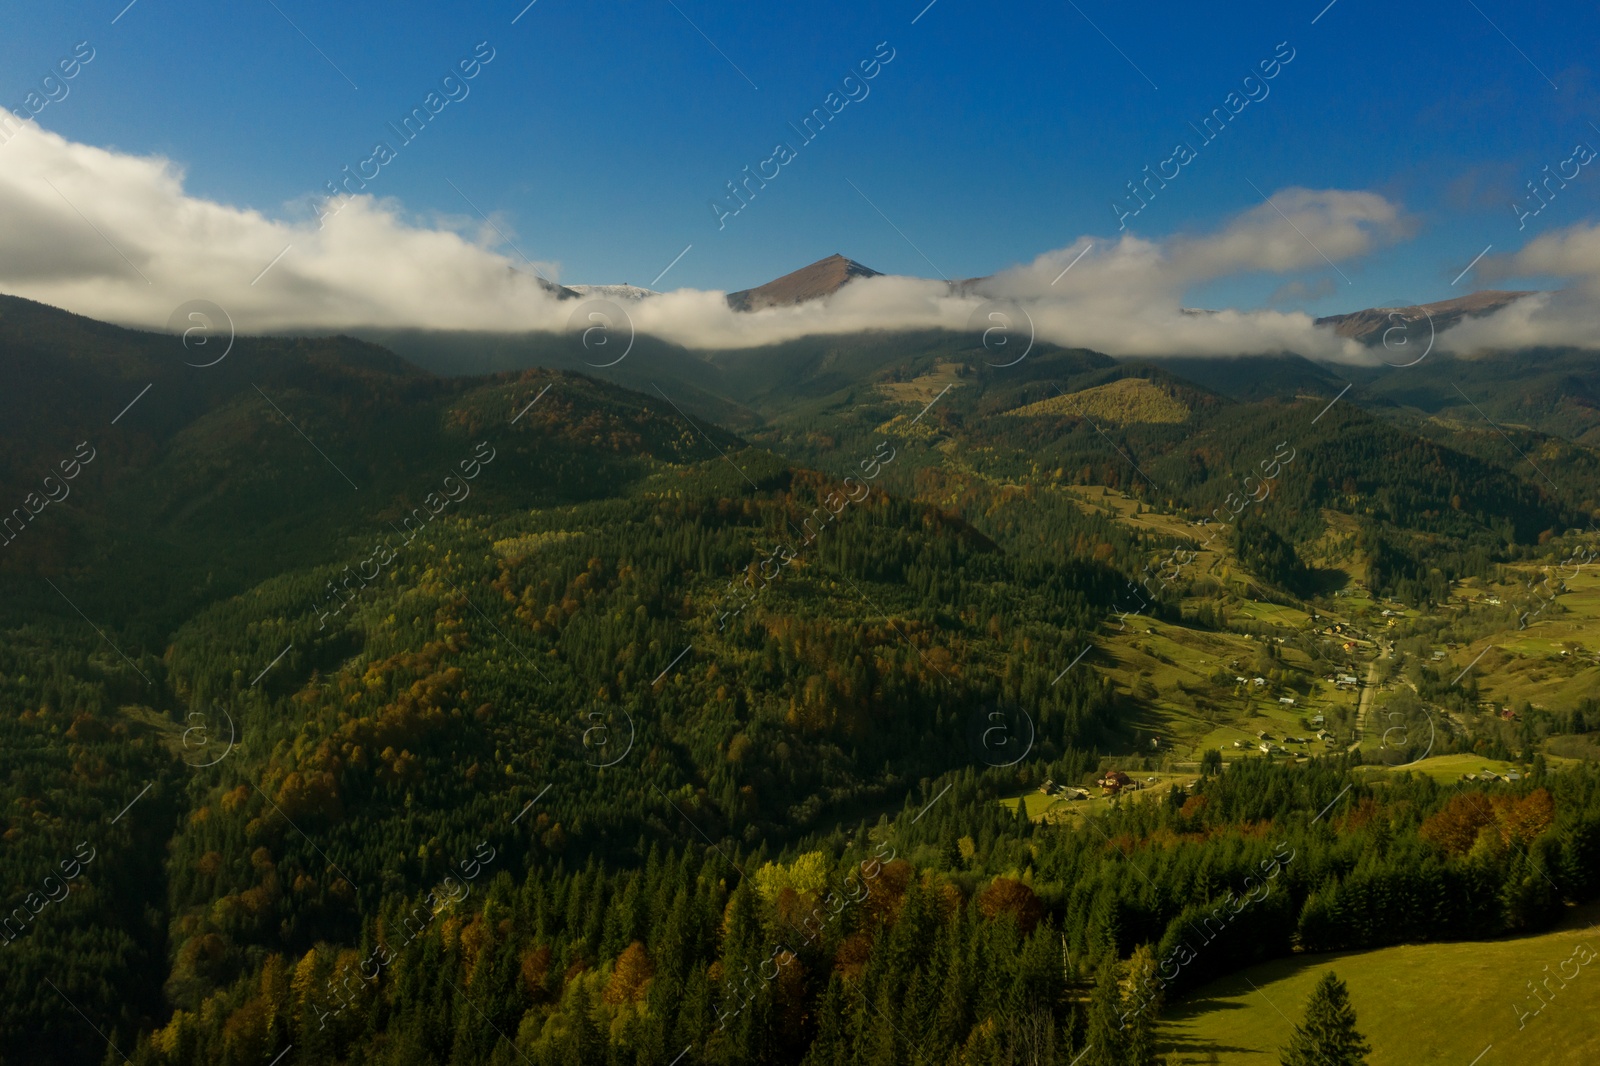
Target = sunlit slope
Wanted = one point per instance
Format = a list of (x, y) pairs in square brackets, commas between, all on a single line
[(1416, 1004)]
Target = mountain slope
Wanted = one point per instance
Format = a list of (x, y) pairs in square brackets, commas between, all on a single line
[(221, 476), (615, 292), (632, 699), (822, 278), (1369, 325), (1235, 1021)]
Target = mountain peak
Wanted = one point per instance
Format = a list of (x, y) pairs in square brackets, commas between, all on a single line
[(822, 278)]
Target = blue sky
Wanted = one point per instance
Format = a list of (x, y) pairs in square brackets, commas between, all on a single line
[(601, 130)]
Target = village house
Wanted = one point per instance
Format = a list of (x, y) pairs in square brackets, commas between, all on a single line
[(1114, 781)]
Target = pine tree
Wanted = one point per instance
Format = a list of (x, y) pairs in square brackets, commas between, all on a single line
[(1105, 1036), (830, 1043), (587, 1043), (949, 850), (1328, 1036), (1141, 1008)]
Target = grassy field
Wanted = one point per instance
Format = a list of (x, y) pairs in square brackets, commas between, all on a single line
[(1168, 669), (1057, 808), (1120, 402), (922, 389), (1416, 1004), (1449, 768), (1528, 663)]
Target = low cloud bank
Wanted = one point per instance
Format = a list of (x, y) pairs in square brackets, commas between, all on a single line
[(116, 237), (1570, 317)]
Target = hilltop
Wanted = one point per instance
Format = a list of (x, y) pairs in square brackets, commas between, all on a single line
[(822, 278)]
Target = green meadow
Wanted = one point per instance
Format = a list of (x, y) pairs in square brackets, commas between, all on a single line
[(1417, 1004)]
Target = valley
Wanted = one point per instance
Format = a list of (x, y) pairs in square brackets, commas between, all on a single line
[(1031, 663), (488, 609)]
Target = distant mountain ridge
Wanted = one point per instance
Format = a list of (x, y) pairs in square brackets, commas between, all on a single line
[(1368, 325), (827, 276), (614, 292), (560, 292)]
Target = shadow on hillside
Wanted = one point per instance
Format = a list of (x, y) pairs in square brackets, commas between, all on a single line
[(1323, 581), (1206, 1006), (1185, 1047), (1206, 1048)]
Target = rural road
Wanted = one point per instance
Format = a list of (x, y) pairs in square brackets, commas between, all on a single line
[(1368, 694)]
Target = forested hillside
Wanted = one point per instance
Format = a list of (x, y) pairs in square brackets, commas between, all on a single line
[(358, 715)]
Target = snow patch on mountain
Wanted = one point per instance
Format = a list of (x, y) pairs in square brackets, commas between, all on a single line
[(614, 292)]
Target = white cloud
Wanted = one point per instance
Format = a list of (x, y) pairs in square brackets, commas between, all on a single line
[(1570, 317), (1124, 297), (370, 266), (157, 247)]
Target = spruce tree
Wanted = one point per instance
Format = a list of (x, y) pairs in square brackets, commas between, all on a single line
[(1141, 1008), (1328, 1036), (829, 1046), (949, 850), (1106, 1040)]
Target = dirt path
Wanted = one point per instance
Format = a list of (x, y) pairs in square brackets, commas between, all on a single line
[(1368, 695)]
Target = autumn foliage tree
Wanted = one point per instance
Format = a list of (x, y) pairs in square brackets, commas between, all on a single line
[(1007, 896), (1518, 820), (630, 976)]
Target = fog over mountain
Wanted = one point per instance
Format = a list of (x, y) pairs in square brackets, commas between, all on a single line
[(118, 237)]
